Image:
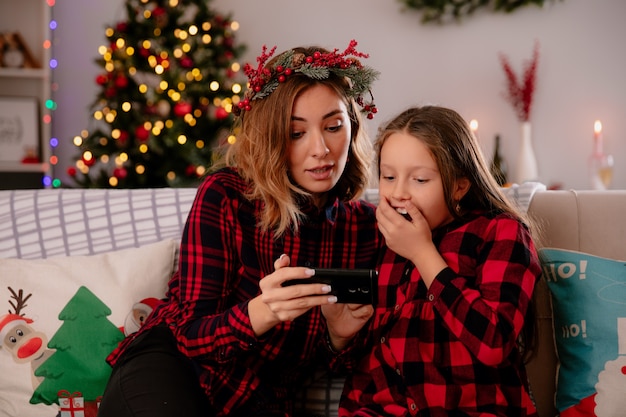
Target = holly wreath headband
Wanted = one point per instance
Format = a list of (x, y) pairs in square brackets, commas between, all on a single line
[(263, 80)]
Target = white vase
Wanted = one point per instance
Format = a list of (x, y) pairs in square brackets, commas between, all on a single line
[(526, 166)]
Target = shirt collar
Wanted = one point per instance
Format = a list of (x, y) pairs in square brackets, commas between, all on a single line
[(328, 212)]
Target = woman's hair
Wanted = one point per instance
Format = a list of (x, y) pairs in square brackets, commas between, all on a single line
[(260, 150), (458, 155)]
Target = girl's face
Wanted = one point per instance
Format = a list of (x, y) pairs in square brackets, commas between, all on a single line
[(320, 139), (408, 172)]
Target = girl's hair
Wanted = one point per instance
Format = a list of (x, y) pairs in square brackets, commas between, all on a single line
[(458, 155), (260, 150)]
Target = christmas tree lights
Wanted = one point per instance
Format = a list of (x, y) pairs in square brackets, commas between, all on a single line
[(168, 84)]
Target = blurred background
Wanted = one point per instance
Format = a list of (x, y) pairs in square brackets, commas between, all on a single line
[(579, 75)]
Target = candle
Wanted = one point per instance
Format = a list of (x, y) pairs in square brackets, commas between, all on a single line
[(597, 129), (473, 124), (600, 164)]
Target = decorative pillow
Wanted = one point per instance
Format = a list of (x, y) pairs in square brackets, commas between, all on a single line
[(62, 316), (589, 310)]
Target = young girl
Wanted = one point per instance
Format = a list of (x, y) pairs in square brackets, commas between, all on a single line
[(230, 339), (455, 282)]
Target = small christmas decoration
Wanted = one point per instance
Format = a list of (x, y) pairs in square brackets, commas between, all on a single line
[(71, 404), (169, 81), (443, 11), (15, 53), (30, 155)]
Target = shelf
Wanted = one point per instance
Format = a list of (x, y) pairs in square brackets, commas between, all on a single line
[(24, 73), (21, 180), (19, 167), (26, 24)]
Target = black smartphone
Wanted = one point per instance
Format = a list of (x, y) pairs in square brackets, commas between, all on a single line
[(354, 286)]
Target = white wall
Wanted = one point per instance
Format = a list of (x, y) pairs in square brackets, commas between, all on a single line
[(580, 78)]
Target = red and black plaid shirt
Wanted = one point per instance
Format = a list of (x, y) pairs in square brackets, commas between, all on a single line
[(223, 255), (451, 350)]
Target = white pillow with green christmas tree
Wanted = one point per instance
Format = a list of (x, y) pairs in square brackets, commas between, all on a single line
[(61, 317)]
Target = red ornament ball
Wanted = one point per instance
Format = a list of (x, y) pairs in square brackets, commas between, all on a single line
[(186, 62), (141, 133), (120, 173), (221, 113), (89, 162), (190, 171), (182, 108), (110, 92), (71, 171), (102, 79), (158, 11), (123, 137), (122, 26), (121, 81)]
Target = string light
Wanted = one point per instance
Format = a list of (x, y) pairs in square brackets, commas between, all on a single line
[(49, 179)]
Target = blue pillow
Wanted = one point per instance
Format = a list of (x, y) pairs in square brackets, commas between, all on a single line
[(589, 309)]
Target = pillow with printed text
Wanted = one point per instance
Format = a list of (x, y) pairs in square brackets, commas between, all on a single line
[(589, 312)]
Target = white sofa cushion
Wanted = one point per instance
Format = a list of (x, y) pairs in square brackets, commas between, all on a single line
[(73, 311), (43, 223)]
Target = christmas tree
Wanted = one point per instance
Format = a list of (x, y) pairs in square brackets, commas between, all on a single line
[(82, 344), (169, 82)]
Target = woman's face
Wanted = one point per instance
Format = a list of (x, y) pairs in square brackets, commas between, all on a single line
[(408, 172), (320, 139)]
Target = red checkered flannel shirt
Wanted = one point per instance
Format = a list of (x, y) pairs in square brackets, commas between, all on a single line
[(223, 256), (451, 350)]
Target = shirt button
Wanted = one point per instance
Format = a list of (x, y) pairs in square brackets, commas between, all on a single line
[(382, 339), (398, 371), (413, 407), (397, 307), (431, 297)]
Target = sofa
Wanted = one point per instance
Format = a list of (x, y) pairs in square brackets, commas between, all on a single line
[(79, 266)]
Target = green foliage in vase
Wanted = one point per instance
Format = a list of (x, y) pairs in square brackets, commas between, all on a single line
[(169, 80), (443, 11)]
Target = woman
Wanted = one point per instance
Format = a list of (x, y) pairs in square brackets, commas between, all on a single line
[(230, 339)]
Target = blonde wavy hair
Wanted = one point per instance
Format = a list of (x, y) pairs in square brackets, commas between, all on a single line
[(260, 151)]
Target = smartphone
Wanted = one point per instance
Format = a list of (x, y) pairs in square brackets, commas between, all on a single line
[(354, 286)]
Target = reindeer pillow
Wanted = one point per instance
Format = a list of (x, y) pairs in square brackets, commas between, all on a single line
[(61, 317)]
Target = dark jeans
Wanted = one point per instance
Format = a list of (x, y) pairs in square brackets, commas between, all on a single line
[(153, 379)]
